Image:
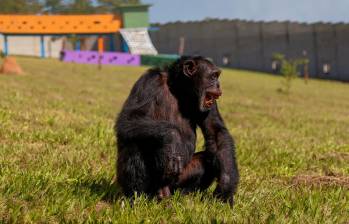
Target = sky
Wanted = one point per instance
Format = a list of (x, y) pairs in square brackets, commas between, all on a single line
[(309, 11)]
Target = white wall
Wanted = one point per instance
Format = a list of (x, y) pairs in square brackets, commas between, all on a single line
[(30, 45)]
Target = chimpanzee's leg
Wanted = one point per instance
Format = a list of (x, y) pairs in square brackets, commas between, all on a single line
[(133, 174), (199, 173), (168, 161)]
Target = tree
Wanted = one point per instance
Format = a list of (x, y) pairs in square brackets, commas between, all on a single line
[(20, 6), (61, 6), (117, 2), (289, 70), (110, 5), (34, 6), (55, 6), (80, 6)]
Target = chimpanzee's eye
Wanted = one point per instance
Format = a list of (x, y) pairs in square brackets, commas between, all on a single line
[(215, 75)]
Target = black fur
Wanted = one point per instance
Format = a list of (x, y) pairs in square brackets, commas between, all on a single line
[(156, 133)]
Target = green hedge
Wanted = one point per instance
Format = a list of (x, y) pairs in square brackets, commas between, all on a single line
[(158, 60)]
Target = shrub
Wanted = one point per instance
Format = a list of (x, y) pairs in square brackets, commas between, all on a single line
[(289, 70)]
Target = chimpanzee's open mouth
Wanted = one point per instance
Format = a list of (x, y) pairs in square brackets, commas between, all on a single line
[(209, 100)]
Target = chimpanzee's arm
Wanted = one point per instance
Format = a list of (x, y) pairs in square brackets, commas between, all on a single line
[(219, 141), (145, 128)]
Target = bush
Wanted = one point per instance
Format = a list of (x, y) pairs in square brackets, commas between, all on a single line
[(289, 70)]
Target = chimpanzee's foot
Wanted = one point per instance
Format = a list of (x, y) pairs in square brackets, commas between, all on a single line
[(164, 193)]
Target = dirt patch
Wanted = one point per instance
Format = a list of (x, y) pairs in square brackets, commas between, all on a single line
[(11, 67), (321, 180)]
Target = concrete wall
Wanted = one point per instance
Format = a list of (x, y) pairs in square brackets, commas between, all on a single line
[(251, 45), (325, 39), (275, 40), (302, 44), (342, 36), (30, 45)]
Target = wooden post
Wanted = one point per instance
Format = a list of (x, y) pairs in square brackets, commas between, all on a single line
[(306, 67), (181, 45), (100, 43)]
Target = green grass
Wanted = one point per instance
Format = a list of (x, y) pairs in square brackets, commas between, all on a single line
[(57, 150)]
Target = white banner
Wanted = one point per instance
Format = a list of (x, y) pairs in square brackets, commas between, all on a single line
[(138, 41)]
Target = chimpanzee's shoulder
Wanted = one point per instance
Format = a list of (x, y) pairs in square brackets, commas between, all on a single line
[(155, 76), (154, 72)]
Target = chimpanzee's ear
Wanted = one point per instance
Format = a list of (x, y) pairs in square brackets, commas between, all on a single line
[(189, 68)]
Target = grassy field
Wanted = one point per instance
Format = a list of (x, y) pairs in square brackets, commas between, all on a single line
[(57, 150)]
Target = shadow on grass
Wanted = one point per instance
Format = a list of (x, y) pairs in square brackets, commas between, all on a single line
[(108, 190)]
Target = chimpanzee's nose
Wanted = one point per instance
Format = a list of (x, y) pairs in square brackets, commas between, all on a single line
[(217, 93)]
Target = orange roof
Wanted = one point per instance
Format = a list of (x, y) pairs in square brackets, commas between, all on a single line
[(59, 24)]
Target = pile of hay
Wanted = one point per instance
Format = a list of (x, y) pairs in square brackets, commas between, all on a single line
[(10, 66)]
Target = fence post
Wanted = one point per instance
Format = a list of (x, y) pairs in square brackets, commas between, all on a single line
[(261, 40), (100, 50), (5, 45), (316, 56), (237, 43), (78, 43), (111, 42), (42, 46)]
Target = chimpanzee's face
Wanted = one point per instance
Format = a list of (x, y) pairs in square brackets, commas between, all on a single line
[(211, 88), (205, 76)]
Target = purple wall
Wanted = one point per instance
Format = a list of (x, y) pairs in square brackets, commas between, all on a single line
[(106, 58)]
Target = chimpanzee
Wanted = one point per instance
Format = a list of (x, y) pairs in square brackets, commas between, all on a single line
[(156, 133)]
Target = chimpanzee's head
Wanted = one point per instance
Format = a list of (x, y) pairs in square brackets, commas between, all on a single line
[(204, 78)]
